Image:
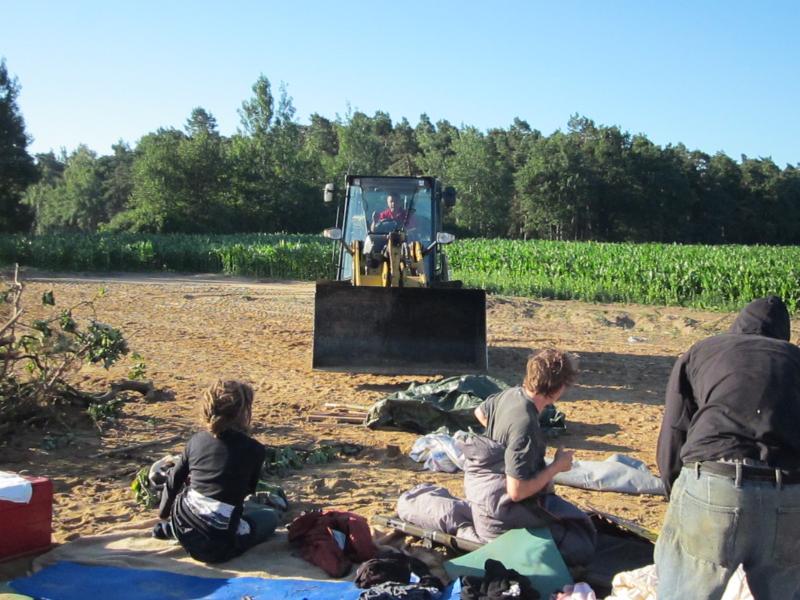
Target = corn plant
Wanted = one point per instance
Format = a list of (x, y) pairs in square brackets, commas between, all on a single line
[(712, 277)]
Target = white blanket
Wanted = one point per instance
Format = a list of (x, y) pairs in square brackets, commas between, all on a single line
[(641, 584), (617, 473), (14, 488)]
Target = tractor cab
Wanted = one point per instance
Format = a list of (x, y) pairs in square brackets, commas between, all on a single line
[(408, 208)]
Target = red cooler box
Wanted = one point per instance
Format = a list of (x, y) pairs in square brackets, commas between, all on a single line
[(26, 528)]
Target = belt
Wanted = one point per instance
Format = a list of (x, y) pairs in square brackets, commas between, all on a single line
[(748, 473)]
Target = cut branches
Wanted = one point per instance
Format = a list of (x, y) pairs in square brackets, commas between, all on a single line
[(37, 356)]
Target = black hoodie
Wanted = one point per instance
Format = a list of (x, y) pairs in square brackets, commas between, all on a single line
[(735, 395)]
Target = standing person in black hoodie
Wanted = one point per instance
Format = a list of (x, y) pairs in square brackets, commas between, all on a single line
[(203, 500), (729, 456)]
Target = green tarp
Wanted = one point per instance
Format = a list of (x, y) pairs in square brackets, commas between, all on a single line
[(450, 403), (530, 552)]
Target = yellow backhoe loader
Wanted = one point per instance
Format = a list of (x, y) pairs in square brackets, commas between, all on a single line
[(392, 307)]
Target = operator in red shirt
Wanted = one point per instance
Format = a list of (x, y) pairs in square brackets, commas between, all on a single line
[(394, 212)]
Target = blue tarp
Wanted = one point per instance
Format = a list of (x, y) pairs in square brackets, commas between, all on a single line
[(72, 581)]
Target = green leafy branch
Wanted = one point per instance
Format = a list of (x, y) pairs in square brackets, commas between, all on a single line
[(280, 460)]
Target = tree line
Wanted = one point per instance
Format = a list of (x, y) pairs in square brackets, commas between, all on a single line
[(589, 182)]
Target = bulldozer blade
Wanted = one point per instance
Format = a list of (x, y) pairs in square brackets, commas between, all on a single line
[(399, 330)]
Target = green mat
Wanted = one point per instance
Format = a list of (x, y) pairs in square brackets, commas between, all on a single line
[(530, 552)]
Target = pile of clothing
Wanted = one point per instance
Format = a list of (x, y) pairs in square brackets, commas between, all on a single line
[(392, 574)]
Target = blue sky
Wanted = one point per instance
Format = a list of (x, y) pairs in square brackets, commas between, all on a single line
[(715, 75)]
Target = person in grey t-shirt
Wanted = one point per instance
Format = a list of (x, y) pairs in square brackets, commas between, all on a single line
[(511, 418)]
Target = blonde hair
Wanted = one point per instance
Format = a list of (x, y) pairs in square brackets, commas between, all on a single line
[(228, 405), (549, 370)]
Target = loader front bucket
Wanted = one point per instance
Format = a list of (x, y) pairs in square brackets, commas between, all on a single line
[(399, 330)]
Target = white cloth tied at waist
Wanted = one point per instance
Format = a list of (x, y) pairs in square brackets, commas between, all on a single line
[(14, 488), (215, 513)]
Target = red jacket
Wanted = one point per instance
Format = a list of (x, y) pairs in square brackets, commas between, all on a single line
[(312, 533), (398, 215)]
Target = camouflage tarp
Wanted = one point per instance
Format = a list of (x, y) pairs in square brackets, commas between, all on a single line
[(449, 403)]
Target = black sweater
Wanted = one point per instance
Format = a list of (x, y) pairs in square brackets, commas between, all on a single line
[(735, 395)]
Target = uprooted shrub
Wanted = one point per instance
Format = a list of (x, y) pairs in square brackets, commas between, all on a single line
[(38, 355)]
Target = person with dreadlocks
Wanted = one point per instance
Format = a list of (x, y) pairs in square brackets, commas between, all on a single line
[(203, 502), (513, 448)]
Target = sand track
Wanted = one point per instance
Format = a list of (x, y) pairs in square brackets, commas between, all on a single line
[(193, 329)]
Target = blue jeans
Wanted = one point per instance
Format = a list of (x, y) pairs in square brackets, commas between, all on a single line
[(712, 526), (262, 521)]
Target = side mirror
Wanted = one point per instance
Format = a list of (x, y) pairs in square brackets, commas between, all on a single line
[(332, 233), (445, 238), (441, 238), (327, 195), (449, 196)]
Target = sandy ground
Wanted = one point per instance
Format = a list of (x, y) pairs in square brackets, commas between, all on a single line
[(192, 330)]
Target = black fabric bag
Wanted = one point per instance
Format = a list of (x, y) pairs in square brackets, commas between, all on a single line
[(498, 583), (394, 567)]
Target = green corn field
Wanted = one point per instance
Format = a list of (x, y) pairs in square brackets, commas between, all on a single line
[(278, 256), (712, 277)]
